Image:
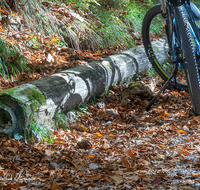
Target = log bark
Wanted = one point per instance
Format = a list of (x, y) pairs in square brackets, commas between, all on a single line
[(61, 92)]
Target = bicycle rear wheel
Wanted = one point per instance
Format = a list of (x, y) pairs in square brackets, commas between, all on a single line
[(189, 60), (157, 48)]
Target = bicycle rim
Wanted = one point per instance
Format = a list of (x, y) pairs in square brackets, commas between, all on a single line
[(157, 48)]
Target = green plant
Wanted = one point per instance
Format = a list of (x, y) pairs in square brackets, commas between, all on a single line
[(151, 72), (61, 121), (12, 62), (82, 108), (33, 129), (107, 90)]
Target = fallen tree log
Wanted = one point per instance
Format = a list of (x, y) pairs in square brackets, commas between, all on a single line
[(40, 100)]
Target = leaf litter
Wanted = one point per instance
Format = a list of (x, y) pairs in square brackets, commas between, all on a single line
[(133, 149), (116, 144)]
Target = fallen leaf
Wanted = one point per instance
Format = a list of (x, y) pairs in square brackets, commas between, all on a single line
[(180, 131), (156, 181), (117, 179), (98, 134), (91, 156), (186, 188), (55, 187), (126, 162), (14, 150), (184, 152), (53, 40)]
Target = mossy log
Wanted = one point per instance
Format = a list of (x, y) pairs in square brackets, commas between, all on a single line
[(61, 92)]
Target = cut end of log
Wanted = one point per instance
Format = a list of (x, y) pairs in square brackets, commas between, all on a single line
[(7, 120)]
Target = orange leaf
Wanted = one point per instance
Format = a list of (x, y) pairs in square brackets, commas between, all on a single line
[(184, 152), (180, 131), (54, 40), (129, 153), (91, 156), (120, 108), (175, 93), (125, 162), (98, 134), (52, 52), (56, 141), (197, 118), (4, 11)]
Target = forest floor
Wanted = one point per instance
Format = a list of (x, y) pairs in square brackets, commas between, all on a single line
[(114, 144)]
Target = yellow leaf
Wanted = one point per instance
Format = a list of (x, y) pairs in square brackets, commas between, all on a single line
[(98, 134), (54, 40), (162, 145), (166, 113), (99, 51), (83, 128), (180, 131)]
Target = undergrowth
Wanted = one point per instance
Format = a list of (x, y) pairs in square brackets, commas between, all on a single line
[(35, 131), (103, 24), (12, 62)]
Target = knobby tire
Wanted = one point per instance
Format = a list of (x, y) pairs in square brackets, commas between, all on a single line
[(190, 63)]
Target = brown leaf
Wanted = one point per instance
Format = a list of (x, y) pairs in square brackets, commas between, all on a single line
[(84, 144), (55, 187), (156, 181), (14, 150), (117, 179), (126, 162)]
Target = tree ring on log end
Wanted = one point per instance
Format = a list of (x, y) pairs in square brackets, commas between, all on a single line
[(7, 120)]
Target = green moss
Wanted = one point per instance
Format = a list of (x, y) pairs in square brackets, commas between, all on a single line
[(34, 94), (9, 91)]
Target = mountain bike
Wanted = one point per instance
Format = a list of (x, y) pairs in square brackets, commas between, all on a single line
[(172, 25)]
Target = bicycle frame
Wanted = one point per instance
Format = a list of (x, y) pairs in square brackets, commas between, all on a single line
[(168, 13)]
